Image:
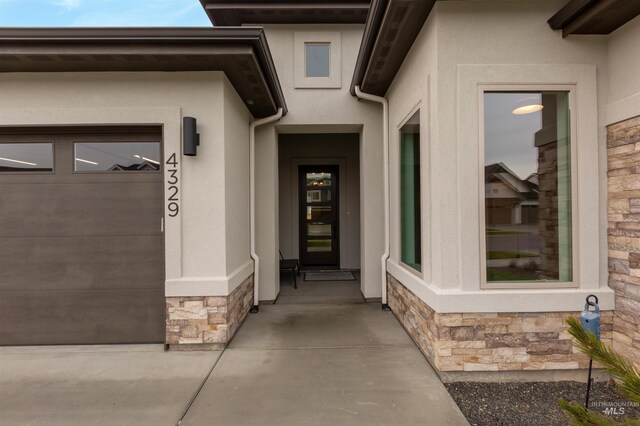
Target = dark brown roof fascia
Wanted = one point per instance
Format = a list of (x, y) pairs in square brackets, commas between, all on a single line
[(164, 41), (594, 16), (371, 29), (266, 60), (387, 42), (569, 12), (240, 12)]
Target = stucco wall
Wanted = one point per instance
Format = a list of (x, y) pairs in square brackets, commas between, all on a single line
[(328, 110), (196, 241), (461, 46), (267, 223), (340, 149), (624, 78), (236, 180), (411, 91)]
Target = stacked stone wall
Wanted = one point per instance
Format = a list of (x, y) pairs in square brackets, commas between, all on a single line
[(623, 152), (207, 320), (514, 341)]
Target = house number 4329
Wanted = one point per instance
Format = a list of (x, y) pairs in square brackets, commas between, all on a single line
[(172, 180)]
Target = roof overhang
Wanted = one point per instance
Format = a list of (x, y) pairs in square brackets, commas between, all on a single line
[(392, 27), (594, 16), (241, 12), (241, 53)]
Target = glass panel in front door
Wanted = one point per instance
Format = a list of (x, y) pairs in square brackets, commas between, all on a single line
[(319, 179), (319, 228)]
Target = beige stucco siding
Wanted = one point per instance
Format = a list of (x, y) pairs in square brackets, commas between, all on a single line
[(624, 78), (462, 46), (409, 92), (236, 180)]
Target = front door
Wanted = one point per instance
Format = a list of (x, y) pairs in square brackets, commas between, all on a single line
[(319, 241)]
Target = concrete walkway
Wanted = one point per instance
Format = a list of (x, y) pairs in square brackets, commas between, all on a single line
[(323, 365), (300, 362)]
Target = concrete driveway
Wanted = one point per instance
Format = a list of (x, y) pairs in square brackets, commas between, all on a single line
[(296, 364), (98, 385)]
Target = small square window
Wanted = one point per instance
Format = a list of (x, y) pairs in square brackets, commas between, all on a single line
[(317, 62)]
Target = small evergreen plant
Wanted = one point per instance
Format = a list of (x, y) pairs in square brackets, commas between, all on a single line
[(627, 375)]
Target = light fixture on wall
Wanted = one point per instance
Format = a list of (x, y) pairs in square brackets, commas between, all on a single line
[(528, 105), (190, 137)]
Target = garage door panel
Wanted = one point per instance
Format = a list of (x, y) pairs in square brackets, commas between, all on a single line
[(81, 254), (81, 209), (81, 317), (81, 263)]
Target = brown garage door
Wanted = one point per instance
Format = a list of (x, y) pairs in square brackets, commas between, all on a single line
[(81, 244)]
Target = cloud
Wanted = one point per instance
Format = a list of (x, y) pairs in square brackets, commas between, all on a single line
[(68, 4)]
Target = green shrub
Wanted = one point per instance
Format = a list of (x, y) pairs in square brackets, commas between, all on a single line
[(615, 365)]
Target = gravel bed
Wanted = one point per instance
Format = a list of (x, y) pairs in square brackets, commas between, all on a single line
[(533, 403)]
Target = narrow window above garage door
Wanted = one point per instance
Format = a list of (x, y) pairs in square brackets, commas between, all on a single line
[(26, 157), (116, 156)]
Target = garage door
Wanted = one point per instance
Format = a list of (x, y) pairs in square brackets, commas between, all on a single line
[(81, 244)]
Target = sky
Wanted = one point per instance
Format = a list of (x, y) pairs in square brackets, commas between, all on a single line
[(102, 13)]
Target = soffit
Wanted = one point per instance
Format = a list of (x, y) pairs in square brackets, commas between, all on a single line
[(594, 16), (241, 12), (241, 53), (391, 29)]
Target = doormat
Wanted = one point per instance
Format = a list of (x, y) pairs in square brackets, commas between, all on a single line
[(329, 276)]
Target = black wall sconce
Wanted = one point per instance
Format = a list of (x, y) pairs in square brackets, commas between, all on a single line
[(190, 137)]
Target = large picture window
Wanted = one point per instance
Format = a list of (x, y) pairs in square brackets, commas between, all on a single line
[(410, 229), (527, 186)]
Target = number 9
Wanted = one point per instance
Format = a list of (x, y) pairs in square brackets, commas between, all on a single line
[(173, 209)]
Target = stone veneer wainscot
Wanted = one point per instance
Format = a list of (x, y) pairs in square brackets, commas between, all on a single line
[(514, 341), (207, 322), (623, 152)]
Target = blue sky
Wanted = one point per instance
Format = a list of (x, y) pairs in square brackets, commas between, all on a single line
[(102, 13)]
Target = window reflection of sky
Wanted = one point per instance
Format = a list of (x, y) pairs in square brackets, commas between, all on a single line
[(110, 154), (26, 156), (317, 59), (509, 138)]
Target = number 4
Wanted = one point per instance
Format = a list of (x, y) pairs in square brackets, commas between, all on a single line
[(172, 160)]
